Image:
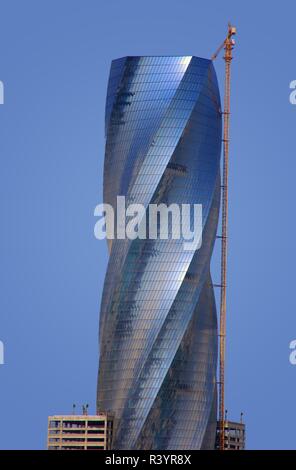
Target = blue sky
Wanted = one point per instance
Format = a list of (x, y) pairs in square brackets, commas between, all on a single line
[(54, 62)]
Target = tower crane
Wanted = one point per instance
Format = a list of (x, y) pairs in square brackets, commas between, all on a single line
[(227, 45)]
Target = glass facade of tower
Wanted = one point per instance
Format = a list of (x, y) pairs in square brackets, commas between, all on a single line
[(158, 325)]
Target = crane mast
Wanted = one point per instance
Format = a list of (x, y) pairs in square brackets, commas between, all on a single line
[(227, 45)]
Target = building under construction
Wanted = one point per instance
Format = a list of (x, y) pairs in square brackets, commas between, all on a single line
[(158, 324), (234, 436), (80, 432)]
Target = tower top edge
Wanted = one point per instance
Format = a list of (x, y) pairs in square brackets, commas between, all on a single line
[(188, 57)]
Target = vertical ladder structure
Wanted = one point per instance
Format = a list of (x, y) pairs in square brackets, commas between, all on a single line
[(227, 45)]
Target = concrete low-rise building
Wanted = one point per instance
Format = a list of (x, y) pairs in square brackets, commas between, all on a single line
[(80, 432)]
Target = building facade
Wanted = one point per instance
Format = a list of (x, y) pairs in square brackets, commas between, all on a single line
[(158, 325), (80, 432), (234, 436)]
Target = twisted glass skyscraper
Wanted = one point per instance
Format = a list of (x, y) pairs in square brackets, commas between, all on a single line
[(158, 325)]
